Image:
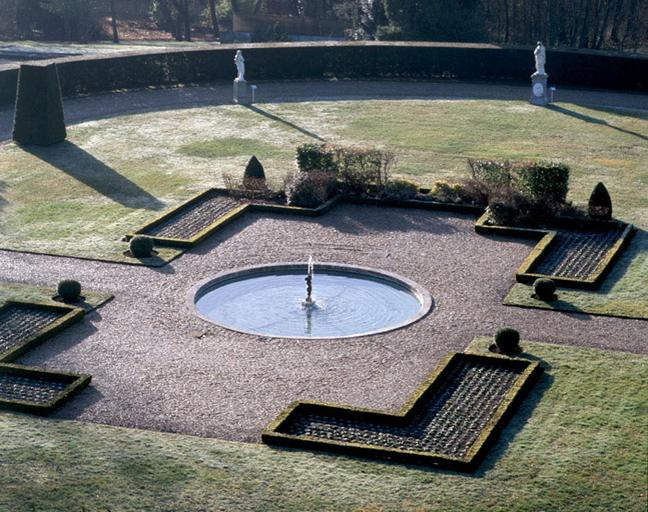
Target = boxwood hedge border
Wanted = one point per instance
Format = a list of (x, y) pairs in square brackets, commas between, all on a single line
[(531, 371), (70, 316), (341, 60), (524, 273), (75, 383)]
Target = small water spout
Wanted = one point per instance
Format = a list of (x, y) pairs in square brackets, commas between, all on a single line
[(309, 303)]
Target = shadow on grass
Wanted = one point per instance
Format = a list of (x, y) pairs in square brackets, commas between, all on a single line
[(82, 166), (3, 201), (593, 120), (519, 419), (274, 117), (637, 248)]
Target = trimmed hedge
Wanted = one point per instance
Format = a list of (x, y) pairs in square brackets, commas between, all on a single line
[(38, 118), (529, 371), (366, 59)]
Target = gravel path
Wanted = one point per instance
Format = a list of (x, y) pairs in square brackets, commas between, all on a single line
[(82, 109), (155, 365)]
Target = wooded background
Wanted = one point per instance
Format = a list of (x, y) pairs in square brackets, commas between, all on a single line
[(594, 24)]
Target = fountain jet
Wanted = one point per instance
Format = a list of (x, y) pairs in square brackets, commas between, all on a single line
[(308, 303)]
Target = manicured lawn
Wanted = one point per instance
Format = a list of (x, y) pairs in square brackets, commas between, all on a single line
[(578, 443), (113, 175), (624, 291)]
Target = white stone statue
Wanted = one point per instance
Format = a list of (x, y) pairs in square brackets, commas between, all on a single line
[(240, 66), (540, 59)]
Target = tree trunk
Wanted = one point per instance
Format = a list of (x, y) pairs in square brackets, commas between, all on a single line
[(187, 20), (113, 15), (214, 18), (507, 22)]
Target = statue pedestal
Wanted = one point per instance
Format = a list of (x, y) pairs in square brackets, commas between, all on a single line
[(539, 93), (241, 92)]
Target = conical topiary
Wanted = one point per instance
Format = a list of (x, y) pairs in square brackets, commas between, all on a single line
[(254, 176), (38, 117), (600, 204)]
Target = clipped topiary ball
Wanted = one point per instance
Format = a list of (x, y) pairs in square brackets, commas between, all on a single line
[(141, 246), (69, 290), (508, 341), (600, 203), (545, 289)]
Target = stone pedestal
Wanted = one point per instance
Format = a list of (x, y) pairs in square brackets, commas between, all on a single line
[(241, 92), (539, 92)]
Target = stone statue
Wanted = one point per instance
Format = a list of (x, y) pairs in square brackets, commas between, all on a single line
[(540, 58), (240, 66)]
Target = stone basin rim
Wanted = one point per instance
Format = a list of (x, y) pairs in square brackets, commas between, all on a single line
[(209, 283)]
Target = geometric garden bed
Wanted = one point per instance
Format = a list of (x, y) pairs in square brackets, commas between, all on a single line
[(38, 391), (451, 421), (577, 258), (23, 325)]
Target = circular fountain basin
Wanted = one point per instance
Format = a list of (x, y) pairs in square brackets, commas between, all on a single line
[(348, 301)]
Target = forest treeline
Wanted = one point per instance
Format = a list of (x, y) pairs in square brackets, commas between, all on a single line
[(595, 24)]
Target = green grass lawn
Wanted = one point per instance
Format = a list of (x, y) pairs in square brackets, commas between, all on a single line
[(624, 291), (111, 176), (578, 443)]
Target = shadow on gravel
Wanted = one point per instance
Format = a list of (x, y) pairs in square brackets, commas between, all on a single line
[(593, 120), (402, 220), (82, 166)]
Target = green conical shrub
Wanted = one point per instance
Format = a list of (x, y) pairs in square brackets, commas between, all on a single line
[(254, 176), (600, 203), (38, 117)]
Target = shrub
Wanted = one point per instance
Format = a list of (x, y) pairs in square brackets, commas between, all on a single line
[(545, 289), (548, 181), (600, 203), (511, 209), (254, 176), (492, 173), (364, 170), (310, 190), (401, 189), (69, 290), (317, 157), (465, 192), (141, 246), (38, 117), (508, 340)]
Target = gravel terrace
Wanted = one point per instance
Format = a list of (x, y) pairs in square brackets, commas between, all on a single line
[(156, 365)]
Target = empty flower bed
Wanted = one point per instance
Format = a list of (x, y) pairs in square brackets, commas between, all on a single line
[(571, 257), (449, 421), (37, 391), (575, 254), (575, 258), (193, 220), (24, 324)]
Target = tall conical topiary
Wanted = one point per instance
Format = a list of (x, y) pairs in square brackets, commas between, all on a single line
[(254, 176), (38, 118), (600, 204)]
